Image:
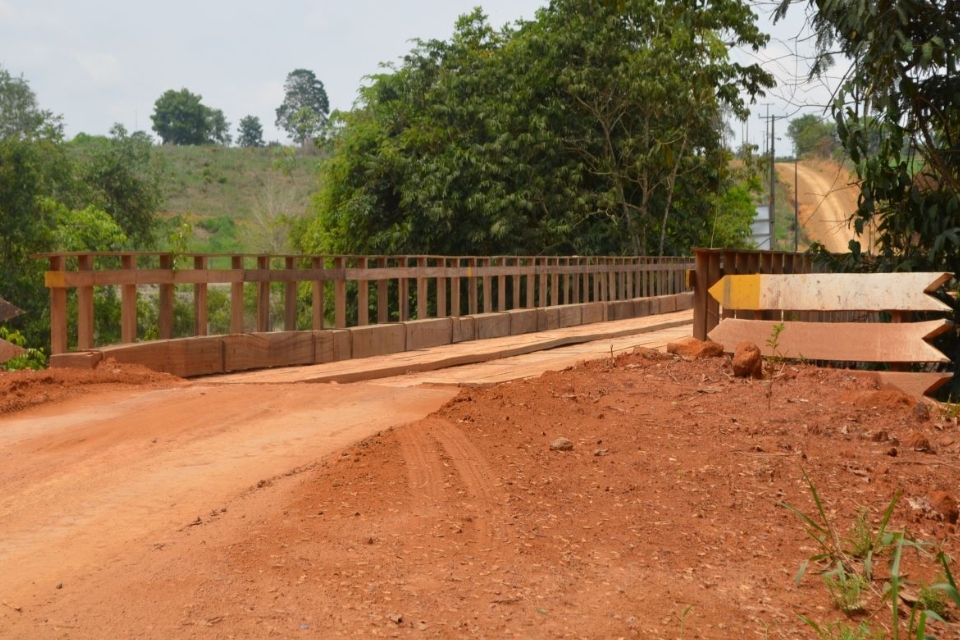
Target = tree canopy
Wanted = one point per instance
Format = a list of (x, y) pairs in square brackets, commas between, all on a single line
[(250, 133), (20, 115), (897, 115), (94, 193), (594, 129), (305, 109), (180, 117), (812, 137)]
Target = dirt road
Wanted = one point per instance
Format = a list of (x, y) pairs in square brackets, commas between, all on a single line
[(826, 201), (103, 474)]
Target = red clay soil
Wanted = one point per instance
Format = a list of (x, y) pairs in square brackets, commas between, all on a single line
[(828, 198), (660, 519)]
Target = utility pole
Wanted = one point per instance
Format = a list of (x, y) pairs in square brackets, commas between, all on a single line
[(796, 202), (773, 179)]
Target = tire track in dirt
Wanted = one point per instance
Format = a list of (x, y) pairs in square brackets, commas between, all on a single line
[(469, 500)]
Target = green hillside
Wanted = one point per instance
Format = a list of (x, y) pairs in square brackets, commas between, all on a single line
[(236, 199)]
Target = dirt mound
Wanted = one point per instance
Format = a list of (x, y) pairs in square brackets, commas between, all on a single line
[(662, 520), (20, 390)]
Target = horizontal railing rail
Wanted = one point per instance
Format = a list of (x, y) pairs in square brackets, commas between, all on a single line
[(361, 290)]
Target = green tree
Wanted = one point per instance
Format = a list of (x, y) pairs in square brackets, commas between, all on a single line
[(180, 117), (812, 137), (303, 114), (20, 115), (121, 176), (250, 133), (898, 121), (219, 127), (578, 132)]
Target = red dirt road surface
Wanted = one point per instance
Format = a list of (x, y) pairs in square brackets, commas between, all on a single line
[(141, 506), (827, 200)]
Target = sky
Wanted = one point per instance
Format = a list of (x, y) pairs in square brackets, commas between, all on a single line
[(100, 62)]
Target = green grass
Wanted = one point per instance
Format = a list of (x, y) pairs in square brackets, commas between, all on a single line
[(220, 190)]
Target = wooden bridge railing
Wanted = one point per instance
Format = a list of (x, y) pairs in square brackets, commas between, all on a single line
[(454, 285)]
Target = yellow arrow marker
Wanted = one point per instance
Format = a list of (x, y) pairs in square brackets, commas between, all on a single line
[(832, 292), (738, 292)]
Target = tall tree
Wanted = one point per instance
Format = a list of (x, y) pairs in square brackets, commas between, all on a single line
[(122, 177), (898, 119), (20, 115), (812, 136), (303, 114), (250, 133), (219, 127), (180, 117), (565, 134)]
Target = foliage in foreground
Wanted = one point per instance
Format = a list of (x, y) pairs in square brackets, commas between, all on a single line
[(898, 120), (848, 565)]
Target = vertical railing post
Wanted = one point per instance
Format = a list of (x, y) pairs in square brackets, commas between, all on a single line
[(200, 299), (85, 305), (166, 300), (577, 277), (515, 283), (531, 281), (383, 301), (403, 290), (455, 291), (236, 295), (316, 303), (58, 309), (363, 293), (487, 287), (542, 281), (128, 302), (263, 295), (442, 289), (554, 281), (340, 293), (501, 286), (422, 295), (290, 297), (472, 286)]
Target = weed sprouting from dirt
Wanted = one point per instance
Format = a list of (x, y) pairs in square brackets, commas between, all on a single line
[(848, 571)]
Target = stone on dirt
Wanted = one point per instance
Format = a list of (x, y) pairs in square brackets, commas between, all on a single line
[(945, 505), (747, 361), (692, 348), (561, 444)]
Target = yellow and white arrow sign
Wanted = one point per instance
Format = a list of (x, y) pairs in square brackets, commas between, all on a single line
[(832, 292)]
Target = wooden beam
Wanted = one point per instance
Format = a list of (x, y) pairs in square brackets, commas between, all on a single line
[(363, 295), (317, 301), (422, 295), (917, 385), (8, 351), (832, 292), (166, 300), (199, 300), (128, 303), (838, 341), (8, 311), (340, 297), (263, 297), (290, 298), (85, 307), (236, 299)]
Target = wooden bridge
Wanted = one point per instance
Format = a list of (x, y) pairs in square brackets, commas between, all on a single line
[(358, 305)]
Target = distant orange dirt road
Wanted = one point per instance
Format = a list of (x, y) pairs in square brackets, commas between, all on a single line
[(827, 200)]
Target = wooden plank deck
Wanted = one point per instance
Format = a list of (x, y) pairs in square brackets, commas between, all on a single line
[(667, 327)]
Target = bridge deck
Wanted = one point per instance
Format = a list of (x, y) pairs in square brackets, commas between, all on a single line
[(498, 359)]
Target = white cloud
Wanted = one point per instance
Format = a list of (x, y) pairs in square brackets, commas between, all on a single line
[(12, 15), (102, 68)]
